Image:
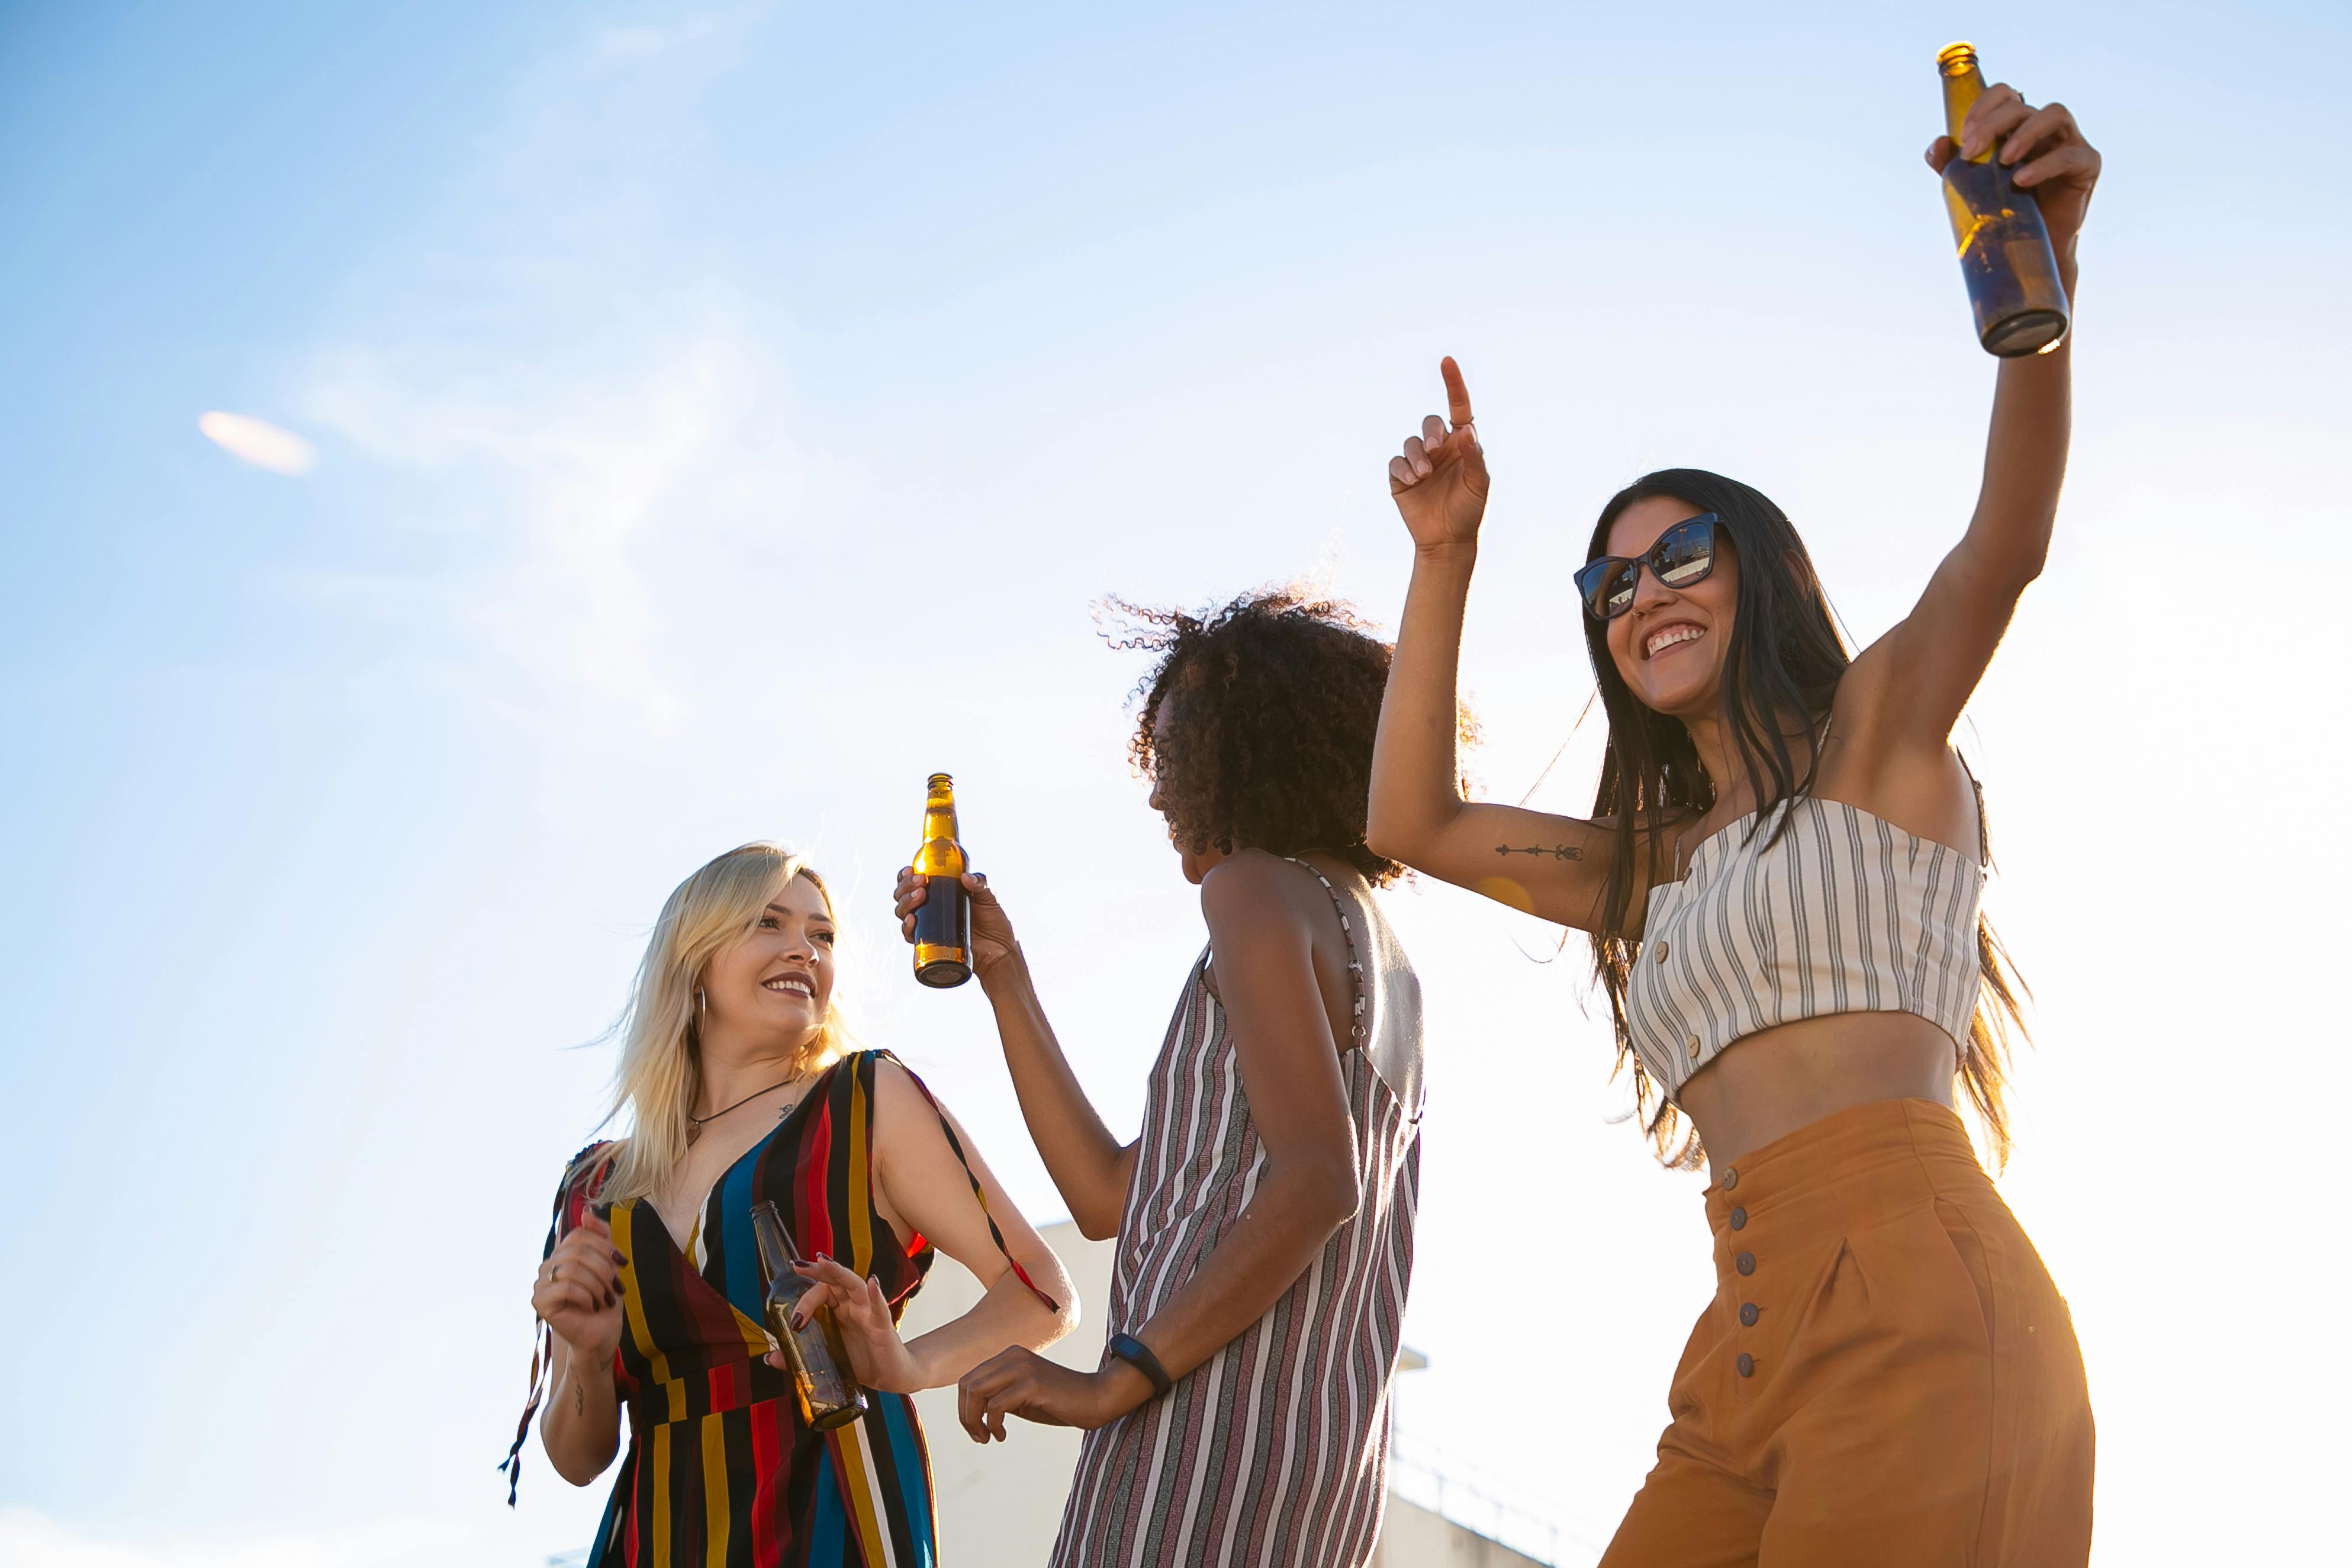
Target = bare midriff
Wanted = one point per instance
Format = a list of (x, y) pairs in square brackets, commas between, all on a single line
[(1767, 1086)]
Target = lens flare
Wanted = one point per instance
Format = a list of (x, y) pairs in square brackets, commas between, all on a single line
[(259, 442)]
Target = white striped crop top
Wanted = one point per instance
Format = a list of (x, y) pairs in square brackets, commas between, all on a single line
[(1844, 914)]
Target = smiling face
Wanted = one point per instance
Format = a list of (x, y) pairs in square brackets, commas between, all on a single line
[(776, 984), (1670, 646)]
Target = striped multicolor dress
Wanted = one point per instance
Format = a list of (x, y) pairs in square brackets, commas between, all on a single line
[(722, 1470), (1274, 1452)]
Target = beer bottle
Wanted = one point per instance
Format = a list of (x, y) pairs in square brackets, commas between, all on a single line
[(943, 921), (2005, 253), (829, 1393)]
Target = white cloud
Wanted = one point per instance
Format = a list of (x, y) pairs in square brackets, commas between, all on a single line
[(565, 475), (560, 386), (259, 442)]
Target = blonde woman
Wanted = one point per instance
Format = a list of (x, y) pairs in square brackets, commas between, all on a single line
[(742, 1087)]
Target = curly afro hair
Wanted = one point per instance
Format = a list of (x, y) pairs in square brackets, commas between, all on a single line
[(1271, 747)]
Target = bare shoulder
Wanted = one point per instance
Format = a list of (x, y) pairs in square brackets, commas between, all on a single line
[(1889, 769), (1254, 891), (910, 1128), (899, 1096)]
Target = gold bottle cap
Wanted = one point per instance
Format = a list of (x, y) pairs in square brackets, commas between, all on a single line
[(1957, 58)]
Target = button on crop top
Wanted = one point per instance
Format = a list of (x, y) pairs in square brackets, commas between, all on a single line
[(1844, 914)]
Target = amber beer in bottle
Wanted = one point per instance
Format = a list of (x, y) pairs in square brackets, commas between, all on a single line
[(943, 921), (2005, 253), (829, 1393)]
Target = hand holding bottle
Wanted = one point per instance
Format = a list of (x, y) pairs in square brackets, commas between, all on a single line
[(993, 941), (861, 1317), (578, 1290), (1440, 481), (2044, 150)]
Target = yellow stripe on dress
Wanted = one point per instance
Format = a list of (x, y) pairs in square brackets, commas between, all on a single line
[(861, 1200), (622, 1222), (715, 1509), (757, 1341)]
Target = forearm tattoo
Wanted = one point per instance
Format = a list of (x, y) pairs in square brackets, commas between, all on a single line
[(1557, 851)]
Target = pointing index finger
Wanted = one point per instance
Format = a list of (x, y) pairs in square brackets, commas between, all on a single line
[(1457, 394)]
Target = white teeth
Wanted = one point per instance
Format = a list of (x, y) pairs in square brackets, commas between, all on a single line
[(797, 988), (1669, 637)]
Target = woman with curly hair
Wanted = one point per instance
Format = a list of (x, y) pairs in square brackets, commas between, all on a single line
[(1264, 1216)]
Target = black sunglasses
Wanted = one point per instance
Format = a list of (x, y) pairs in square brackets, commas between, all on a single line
[(1683, 554)]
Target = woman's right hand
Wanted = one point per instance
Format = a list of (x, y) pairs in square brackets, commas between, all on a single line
[(993, 941), (1440, 481), (578, 1292)]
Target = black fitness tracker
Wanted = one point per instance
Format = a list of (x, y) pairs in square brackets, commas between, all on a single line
[(1137, 1355)]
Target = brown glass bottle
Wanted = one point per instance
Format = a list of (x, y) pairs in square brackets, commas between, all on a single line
[(829, 1393), (943, 921), (2005, 254)]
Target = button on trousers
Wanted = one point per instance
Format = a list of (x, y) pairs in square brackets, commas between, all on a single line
[(1886, 1375)]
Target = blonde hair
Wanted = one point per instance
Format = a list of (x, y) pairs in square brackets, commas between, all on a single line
[(660, 1070)]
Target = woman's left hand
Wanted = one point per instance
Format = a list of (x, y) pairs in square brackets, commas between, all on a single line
[(1018, 1382), (877, 1354), (2044, 148)]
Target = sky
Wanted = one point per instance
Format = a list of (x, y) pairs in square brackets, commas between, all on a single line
[(713, 419)]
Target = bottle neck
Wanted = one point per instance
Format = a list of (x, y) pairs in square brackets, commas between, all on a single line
[(1964, 83), (776, 1253)]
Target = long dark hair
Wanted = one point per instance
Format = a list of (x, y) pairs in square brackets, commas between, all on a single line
[(1785, 658)]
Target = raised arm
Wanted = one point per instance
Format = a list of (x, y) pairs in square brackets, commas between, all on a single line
[(1908, 688), (1533, 861), (1089, 1164)]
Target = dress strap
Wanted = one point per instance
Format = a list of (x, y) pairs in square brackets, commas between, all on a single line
[(1355, 958), (1984, 831), (955, 1145)]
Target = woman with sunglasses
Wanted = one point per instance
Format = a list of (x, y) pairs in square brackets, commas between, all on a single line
[(1780, 880)]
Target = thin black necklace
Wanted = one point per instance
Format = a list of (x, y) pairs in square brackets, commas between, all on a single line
[(747, 1099)]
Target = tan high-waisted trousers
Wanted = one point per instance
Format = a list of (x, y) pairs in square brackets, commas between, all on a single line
[(1886, 1375)]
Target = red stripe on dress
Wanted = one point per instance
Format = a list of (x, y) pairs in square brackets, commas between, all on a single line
[(812, 1221), (724, 1385)]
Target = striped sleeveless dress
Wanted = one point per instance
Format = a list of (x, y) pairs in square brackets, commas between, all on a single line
[(721, 1472), (1274, 1452)]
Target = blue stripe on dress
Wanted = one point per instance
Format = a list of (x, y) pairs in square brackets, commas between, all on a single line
[(828, 1526), (739, 1190), (914, 1483)]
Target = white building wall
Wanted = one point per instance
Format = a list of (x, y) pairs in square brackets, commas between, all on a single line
[(1000, 1504)]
